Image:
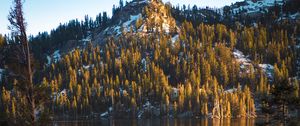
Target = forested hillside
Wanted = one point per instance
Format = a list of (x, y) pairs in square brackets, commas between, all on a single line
[(160, 60)]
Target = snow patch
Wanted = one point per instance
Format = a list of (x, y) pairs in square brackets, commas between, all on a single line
[(48, 60), (175, 38), (232, 90), (144, 63), (166, 27), (241, 57), (88, 66), (85, 40), (146, 108), (243, 60), (105, 30), (174, 93), (141, 2), (253, 7), (268, 69), (295, 16), (56, 56), (128, 23), (1, 73), (63, 92), (56, 95), (105, 114), (117, 29)]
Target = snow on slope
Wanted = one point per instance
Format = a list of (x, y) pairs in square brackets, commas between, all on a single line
[(1, 73), (117, 29), (129, 23), (245, 62), (55, 57), (252, 7), (268, 69), (132, 12), (175, 38), (241, 58), (140, 2), (295, 16)]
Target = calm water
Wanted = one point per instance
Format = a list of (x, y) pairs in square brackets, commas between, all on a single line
[(175, 122)]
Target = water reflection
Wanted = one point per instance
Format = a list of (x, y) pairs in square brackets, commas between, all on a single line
[(159, 122)]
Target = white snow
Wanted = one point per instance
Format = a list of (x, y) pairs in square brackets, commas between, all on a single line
[(148, 103), (117, 29), (268, 69), (244, 62), (104, 114), (85, 40), (231, 90), (253, 7), (56, 56), (166, 27), (144, 63), (295, 16), (174, 93), (241, 57), (110, 109), (175, 38), (128, 23), (204, 16), (88, 66), (1, 72), (140, 2), (105, 30), (48, 60), (146, 107), (63, 92), (56, 95)]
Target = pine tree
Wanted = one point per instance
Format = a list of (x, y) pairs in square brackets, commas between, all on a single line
[(13, 107), (224, 74), (2, 41), (133, 107), (167, 102), (24, 59), (242, 108), (139, 23), (175, 107), (228, 109), (232, 39), (283, 89)]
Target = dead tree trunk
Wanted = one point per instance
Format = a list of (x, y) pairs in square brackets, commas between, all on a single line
[(18, 28)]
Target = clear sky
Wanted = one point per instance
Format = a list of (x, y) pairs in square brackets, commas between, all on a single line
[(44, 15)]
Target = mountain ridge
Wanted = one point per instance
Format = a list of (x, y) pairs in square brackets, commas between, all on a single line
[(135, 17)]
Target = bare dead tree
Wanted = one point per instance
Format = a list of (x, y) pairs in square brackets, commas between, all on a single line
[(22, 56)]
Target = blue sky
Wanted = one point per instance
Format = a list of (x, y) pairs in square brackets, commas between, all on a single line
[(44, 15)]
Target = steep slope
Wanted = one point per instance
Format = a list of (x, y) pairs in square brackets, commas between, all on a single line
[(280, 9), (148, 66), (255, 6), (140, 17)]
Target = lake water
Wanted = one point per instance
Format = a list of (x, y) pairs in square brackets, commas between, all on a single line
[(176, 122)]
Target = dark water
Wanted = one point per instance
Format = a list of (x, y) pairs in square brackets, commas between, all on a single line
[(176, 122)]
